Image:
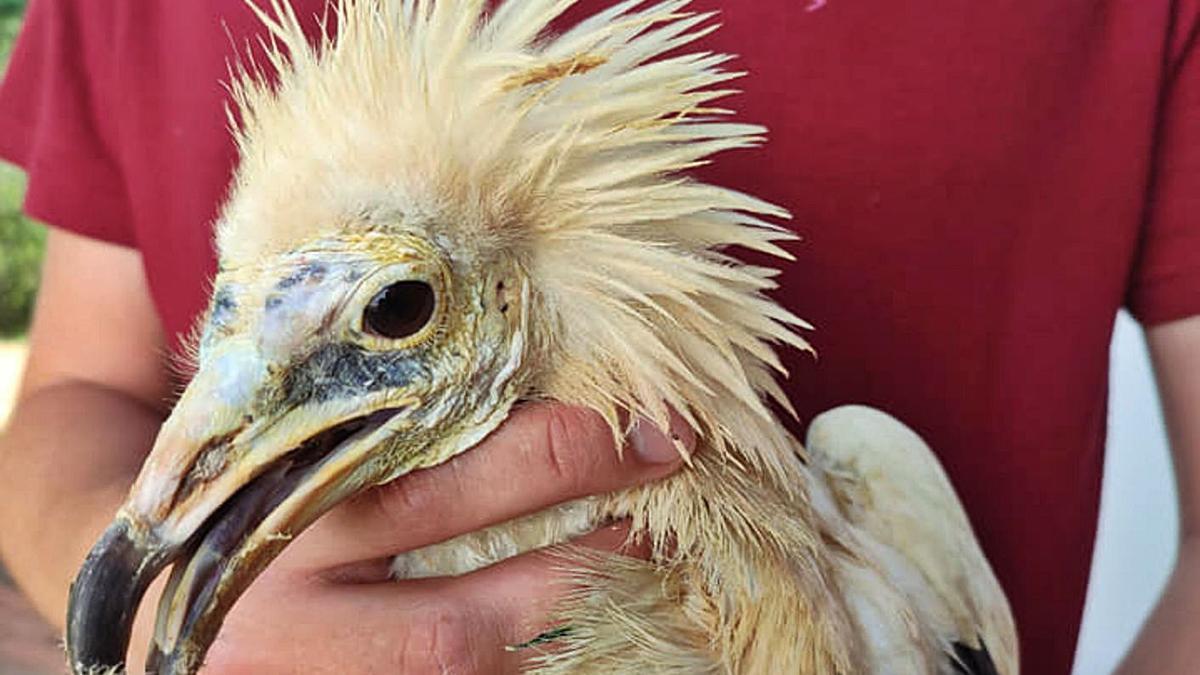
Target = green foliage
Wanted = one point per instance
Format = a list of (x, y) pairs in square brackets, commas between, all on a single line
[(21, 242), (21, 245), (10, 23)]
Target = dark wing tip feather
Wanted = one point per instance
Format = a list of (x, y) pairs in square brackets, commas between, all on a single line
[(967, 660)]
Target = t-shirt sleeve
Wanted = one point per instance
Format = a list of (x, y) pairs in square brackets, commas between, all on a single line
[(1165, 284), (52, 123)]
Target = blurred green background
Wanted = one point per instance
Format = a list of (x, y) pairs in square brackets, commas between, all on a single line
[(21, 241)]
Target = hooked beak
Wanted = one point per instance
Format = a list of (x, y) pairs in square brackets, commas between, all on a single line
[(220, 496)]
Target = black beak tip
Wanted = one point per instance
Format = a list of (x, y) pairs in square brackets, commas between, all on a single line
[(104, 599)]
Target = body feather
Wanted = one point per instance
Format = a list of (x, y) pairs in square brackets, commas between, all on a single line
[(888, 485)]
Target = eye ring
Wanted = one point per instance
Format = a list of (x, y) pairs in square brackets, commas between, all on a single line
[(400, 310)]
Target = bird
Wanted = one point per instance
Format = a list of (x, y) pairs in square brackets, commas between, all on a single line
[(446, 209)]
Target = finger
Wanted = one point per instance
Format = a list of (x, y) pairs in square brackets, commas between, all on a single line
[(414, 627), (543, 455), (463, 624)]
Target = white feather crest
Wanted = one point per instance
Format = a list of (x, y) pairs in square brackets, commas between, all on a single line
[(568, 152)]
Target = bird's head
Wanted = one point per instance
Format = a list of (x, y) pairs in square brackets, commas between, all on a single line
[(437, 213)]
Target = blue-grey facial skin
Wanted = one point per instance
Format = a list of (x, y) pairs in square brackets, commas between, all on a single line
[(301, 327), (279, 316), (221, 315), (342, 371), (224, 307), (309, 272)]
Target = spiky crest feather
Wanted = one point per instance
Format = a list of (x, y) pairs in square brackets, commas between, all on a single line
[(552, 150)]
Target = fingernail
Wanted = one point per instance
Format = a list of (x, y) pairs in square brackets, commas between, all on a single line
[(651, 445)]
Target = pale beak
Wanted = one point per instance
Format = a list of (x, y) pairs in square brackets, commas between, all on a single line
[(221, 494)]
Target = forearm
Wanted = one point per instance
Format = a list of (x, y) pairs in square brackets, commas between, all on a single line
[(66, 461), (1168, 641)]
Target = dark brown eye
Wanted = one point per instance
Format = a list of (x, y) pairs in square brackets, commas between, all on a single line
[(400, 310)]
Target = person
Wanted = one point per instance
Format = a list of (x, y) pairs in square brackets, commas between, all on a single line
[(980, 188)]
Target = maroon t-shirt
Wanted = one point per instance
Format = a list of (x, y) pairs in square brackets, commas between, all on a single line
[(980, 187)]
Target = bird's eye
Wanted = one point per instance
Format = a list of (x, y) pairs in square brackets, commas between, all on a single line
[(400, 310)]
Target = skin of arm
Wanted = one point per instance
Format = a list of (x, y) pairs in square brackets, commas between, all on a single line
[(1167, 643), (95, 392), (92, 398)]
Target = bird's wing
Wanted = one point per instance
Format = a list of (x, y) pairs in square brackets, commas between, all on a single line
[(890, 486)]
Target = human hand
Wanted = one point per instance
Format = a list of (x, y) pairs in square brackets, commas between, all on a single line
[(327, 604)]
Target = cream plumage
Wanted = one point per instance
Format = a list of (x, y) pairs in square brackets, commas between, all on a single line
[(530, 193)]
